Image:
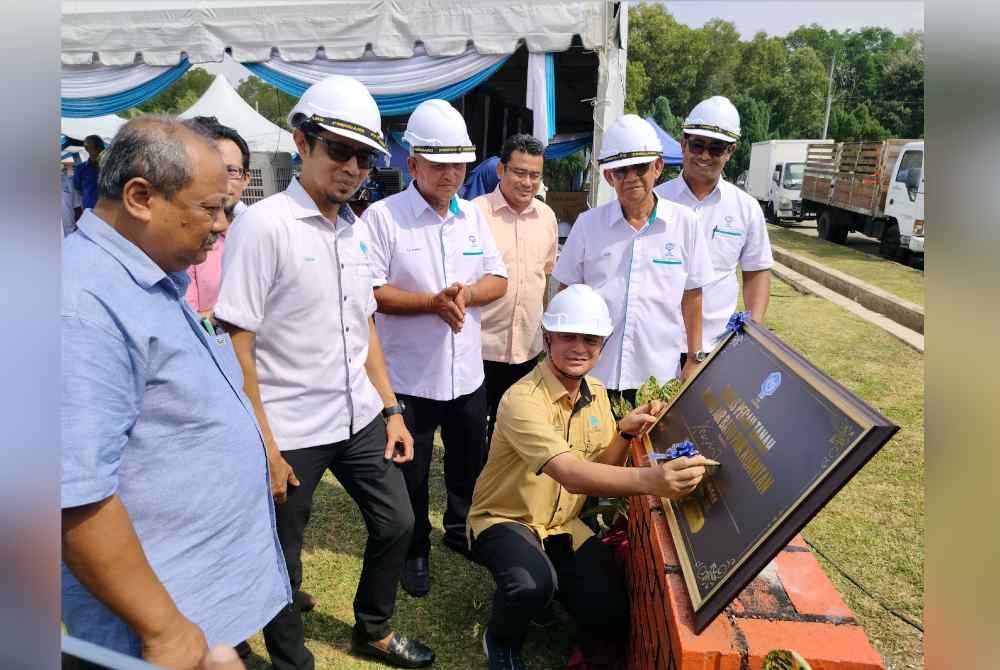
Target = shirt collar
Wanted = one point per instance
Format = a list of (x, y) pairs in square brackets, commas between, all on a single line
[(620, 215), (141, 267), (498, 201), (303, 207), (418, 204), (557, 391), (715, 192)]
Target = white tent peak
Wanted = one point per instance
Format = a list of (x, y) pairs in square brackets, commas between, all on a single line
[(223, 102), (104, 127)]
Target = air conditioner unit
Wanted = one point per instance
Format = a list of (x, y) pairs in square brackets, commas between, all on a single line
[(270, 173)]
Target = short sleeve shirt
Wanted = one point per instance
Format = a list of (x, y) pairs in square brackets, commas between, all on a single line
[(416, 250), (528, 242), (153, 411), (303, 285), (85, 183), (642, 275), (736, 232), (535, 423)]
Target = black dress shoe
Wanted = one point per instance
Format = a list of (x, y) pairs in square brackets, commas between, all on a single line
[(243, 650), (305, 601), (416, 577), (401, 652)]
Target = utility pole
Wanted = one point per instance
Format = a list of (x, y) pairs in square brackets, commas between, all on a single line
[(829, 96)]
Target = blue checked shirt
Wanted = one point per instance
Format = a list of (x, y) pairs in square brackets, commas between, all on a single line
[(153, 411)]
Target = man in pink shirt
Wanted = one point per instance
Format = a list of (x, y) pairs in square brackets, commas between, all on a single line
[(206, 277), (526, 233)]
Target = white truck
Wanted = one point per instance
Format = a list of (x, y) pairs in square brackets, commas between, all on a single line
[(775, 176), (875, 188)]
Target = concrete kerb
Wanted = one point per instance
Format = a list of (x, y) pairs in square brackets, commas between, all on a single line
[(903, 312)]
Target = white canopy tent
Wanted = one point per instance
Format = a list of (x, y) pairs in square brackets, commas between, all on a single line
[(104, 127), (162, 33), (223, 102)]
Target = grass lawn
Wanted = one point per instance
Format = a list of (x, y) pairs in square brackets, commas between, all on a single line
[(873, 529), (895, 278)]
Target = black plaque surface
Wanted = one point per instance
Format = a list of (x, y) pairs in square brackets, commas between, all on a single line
[(788, 438)]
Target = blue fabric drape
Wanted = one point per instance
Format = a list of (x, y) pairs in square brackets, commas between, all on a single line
[(388, 105), (99, 106), (550, 92), (567, 148)]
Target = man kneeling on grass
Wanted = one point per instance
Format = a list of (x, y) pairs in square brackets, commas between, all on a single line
[(555, 443)]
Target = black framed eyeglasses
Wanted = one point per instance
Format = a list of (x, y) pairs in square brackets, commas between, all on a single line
[(622, 172), (714, 149), (340, 152)]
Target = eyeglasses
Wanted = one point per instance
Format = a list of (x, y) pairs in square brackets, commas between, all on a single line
[(340, 152), (714, 149), (524, 174), (622, 172), (236, 171)]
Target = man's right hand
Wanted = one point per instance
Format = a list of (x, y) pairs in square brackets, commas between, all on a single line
[(677, 478), (445, 304), (179, 646), (281, 473)]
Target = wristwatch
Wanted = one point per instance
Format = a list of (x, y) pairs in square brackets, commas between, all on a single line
[(398, 408), (700, 356)]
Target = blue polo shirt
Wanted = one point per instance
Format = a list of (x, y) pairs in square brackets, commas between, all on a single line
[(85, 181), (153, 411)]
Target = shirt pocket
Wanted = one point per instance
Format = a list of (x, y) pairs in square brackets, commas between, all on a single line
[(598, 268), (725, 244)]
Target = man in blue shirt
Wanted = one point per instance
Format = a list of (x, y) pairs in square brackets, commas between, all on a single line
[(169, 541), (85, 175)]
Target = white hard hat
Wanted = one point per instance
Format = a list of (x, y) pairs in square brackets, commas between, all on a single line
[(716, 118), (436, 131), (630, 140), (578, 309), (343, 106)]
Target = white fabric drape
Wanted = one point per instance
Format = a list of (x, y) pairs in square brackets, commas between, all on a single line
[(95, 81), (536, 97), (393, 76), (103, 126)]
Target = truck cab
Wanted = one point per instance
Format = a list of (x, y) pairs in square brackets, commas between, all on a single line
[(904, 202), (785, 190)]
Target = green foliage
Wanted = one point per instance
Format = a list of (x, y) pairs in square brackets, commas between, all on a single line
[(269, 102), (558, 173), (176, 98), (650, 390), (664, 116)]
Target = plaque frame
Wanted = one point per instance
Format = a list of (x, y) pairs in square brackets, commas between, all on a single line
[(876, 431)]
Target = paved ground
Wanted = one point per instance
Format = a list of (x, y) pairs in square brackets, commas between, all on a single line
[(855, 241)]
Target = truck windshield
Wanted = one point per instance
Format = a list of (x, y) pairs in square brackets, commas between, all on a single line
[(793, 175)]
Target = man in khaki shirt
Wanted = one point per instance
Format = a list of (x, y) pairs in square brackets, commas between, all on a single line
[(526, 233), (556, 442)]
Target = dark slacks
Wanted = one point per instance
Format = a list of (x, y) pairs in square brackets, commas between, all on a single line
[(499, 378), (378, 488), (529, 574), (463, 431)]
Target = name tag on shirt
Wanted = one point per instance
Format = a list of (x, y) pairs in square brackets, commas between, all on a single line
[(668, 255), (473, 247)]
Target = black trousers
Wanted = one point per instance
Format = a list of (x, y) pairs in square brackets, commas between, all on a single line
[(529, 574), (499, 378), (463, 431), (378, 488)]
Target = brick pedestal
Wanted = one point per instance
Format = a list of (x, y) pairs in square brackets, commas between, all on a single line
[(791, 605)]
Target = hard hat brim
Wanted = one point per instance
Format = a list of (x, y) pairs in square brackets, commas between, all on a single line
[(449, 158), (577, 329), (635, 160), (711, 134), (358, 137)]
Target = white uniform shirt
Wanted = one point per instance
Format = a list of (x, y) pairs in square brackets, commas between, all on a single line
[(642, 275), (736, 233), (303, 284), (416, 250)]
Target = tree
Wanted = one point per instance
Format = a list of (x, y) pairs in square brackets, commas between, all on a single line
[(665, 118), (755, 126), (636, 87), (270, 102), (178, 96)]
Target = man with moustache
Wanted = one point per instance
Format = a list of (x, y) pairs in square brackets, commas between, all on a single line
[(206, 277), (168, 535), (297, 298), (525, 230), (435, 265), (731, 219), (647, 258)]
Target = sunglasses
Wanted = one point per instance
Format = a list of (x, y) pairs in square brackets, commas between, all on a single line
[(714, 149), (340, 152), (622, 172)]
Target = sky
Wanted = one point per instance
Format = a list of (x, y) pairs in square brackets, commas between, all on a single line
[(775, 17)]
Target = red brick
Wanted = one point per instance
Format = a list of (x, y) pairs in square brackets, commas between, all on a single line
[(798, 541), (824, 646), (714, 648), (808, 587)]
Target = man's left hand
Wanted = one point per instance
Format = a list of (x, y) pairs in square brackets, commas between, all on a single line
[(639, 420), (399, 442)]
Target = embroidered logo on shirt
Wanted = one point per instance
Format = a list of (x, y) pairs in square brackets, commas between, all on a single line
[(593, 421), (474, 248), (309, 259), (364, 247), (668, 257)]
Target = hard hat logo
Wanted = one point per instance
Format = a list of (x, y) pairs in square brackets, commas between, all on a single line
[(343, 106), (444, 150)]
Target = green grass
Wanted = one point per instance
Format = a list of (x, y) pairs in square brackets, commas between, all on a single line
[(873, 529), (897, 279)]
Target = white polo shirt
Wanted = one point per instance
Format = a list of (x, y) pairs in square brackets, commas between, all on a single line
[(303, 285), (642, 275), (416, 250), (736, 232)]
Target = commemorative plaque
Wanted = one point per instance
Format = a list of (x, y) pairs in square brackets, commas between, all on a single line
[(787, 436)]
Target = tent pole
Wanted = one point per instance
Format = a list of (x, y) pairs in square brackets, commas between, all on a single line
[(610, 101)]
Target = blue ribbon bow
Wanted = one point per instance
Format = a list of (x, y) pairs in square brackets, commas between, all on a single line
[(685, 448), (736, 324)]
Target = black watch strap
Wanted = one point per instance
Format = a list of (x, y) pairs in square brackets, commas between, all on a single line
[(392, 411), (628, 437)]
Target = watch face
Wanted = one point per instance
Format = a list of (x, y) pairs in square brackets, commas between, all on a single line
[(700, 356)]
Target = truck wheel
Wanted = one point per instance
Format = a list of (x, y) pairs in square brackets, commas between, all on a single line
[(825, 226), (889, 246), (839, 235)]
